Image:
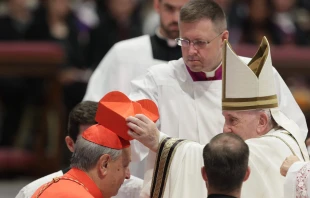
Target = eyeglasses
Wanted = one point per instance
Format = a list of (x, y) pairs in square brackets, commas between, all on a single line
[(198, 44)]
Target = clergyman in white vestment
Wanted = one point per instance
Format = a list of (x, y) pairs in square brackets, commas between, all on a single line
[(250, 108), (131, 58), (188, 91)]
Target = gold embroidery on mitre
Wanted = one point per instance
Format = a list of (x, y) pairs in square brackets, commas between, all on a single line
[(258, 61), (256, 65), (250, 103)]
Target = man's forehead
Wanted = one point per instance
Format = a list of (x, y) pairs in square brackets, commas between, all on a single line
[(173, 3), (237, 113), (229, 113), (127, 154), (127, 151), (197, 28)]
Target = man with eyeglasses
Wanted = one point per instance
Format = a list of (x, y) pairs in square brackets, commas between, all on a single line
[(250, 108), (131, 58), (188, 91)]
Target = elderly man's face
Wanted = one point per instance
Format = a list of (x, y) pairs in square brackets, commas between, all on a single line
[(119, 171), (242, 123)]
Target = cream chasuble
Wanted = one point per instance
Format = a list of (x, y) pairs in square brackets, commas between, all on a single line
[(184, 178), (264, 165), (192, 110)]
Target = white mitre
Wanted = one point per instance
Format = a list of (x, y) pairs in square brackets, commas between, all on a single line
[(251, 86)]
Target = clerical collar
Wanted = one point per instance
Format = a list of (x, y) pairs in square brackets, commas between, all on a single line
[(170, 42), (212, 73), (202, 76)]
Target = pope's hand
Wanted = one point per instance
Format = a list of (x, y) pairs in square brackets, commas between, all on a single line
[(144, 130), (287, 164)]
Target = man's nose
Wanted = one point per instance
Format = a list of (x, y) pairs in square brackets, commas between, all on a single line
[(176, 15), (226, 129), (191, 49)]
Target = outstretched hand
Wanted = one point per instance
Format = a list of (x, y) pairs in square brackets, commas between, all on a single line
[(144, 130), (288, 162)]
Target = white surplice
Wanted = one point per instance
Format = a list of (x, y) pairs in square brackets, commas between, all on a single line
[(124, 61), (266, 156), (192, 110)]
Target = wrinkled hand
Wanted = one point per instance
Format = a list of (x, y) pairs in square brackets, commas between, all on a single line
[(144, 130), (288, 163)]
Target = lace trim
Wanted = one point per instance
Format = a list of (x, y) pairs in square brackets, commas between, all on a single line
[(301, 184)]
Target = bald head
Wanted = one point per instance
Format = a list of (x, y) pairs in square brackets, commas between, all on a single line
[(226, 143), (226, 161)]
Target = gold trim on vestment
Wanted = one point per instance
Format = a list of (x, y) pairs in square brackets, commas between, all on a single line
[(166, 151), (224, 70), (56, 179), (282, 141), (290, 135)]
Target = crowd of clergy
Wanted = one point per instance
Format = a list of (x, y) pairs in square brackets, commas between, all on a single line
[(179, 114)]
